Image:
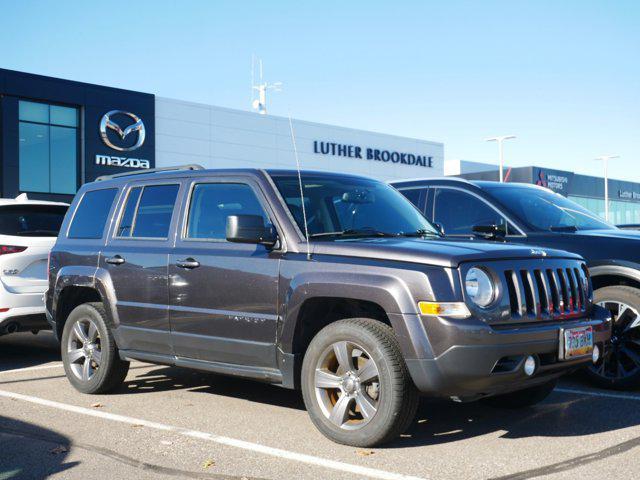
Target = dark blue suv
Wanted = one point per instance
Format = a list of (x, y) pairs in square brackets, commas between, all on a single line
[(529, 214)]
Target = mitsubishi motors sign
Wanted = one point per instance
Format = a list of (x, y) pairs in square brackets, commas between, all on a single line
[(557, 180)]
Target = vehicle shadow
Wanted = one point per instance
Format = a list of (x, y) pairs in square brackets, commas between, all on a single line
[(21, 350), (173, 378), (437, 421), (561, 415), (30, 451)]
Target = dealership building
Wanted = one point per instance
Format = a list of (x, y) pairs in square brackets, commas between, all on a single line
[(588, 191), (57, 134)]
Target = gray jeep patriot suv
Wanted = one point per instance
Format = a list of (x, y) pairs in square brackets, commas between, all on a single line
[(212, 270)]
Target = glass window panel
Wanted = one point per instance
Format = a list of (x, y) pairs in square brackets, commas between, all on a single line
[(155, 210), (48, 155), (458, 212), (31, 220), (33, 157), (91, 215), (65, 116), (33, 112), (415, 196), (126, 223), (63, 160), (212, 203)]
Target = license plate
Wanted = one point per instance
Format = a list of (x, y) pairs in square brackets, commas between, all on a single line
[(576, 342)]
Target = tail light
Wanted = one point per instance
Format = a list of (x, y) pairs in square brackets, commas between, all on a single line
[(5, 249)]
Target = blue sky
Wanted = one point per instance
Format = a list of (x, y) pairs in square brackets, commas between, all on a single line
[(562, 75)]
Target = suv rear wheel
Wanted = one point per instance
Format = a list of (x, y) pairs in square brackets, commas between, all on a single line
[(620, 367), (356, 385), (89, 352)]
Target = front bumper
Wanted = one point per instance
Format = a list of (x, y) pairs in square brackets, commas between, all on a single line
[(484, 361)]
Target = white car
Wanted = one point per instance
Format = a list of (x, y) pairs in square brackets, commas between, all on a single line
[(28, 230)]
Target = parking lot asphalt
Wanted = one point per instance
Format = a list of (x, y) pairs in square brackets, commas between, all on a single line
[(168, 422)]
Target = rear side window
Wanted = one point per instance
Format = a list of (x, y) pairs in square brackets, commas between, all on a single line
[(91, 215), (212, 203), (148, 212), (31, 220)]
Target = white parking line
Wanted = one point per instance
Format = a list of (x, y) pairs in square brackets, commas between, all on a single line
[(60, 365), (30, 369), (232, 442), (595, 393)]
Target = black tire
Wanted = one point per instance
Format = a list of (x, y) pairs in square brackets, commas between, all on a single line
[(619, 369), (522, 398), (111, 371), (396, 397)]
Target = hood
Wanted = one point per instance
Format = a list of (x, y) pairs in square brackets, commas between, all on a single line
[(439, 251)]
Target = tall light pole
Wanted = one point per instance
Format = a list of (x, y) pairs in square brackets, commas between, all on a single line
[(605, 160), (500, 149), (260, 103)]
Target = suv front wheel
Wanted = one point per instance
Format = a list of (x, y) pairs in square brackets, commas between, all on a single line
[(356, 385), (89, 352), (620, 367)]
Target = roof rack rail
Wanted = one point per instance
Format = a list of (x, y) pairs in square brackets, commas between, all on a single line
[(192, 166)]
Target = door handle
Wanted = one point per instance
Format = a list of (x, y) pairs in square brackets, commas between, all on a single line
[(188, 263), (115, 260)]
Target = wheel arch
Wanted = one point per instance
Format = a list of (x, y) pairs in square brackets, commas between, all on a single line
[(77, 285), (384, 296), (615, 272), (314, 301)]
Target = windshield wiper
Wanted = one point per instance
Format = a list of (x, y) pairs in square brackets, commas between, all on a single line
[(354, 232), (422, 232), (566, 228), (36, 233)]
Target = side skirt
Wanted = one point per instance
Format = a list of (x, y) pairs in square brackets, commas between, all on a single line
[(269, 375)]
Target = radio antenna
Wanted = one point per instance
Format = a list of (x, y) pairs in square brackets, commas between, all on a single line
[(304, 210)]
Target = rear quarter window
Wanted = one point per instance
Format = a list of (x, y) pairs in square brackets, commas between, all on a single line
[(31, 220), (91, 214)]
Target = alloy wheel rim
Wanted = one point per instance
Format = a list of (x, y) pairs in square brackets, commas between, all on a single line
[(623, 360), (347, 386), (84, 351)]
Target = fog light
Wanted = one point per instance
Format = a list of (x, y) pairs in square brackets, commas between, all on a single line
[(529, 366), (595, 355)]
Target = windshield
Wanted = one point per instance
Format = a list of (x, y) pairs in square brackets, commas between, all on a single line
[(350, 206), (31, 220), (545, 210)]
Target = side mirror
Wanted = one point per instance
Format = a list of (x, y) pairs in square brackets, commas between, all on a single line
[(439, 227), (490, 232), (250, 229)]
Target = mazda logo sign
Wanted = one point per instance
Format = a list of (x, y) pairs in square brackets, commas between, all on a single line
[(137, 127)]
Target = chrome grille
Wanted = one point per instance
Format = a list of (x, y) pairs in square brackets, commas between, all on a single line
[(547, 293)]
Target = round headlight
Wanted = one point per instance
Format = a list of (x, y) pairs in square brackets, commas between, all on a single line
[(479, 287)]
